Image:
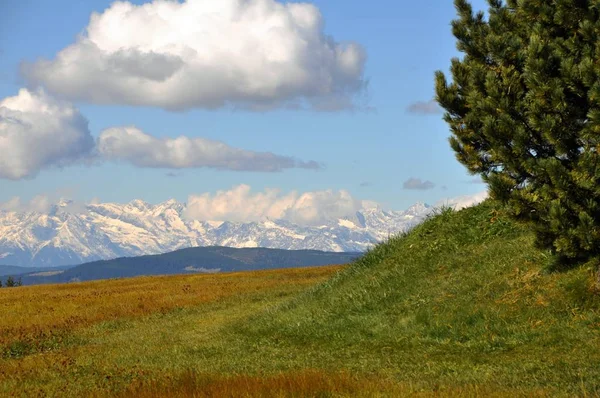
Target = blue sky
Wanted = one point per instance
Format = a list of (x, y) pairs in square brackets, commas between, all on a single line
[(369, 152)]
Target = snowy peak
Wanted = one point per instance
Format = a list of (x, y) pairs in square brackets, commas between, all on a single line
[(418, 209), (356, 221)]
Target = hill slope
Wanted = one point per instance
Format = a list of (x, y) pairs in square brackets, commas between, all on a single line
[(462, 299), (210, 259)]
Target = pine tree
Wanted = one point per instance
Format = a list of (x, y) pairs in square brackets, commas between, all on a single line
[(10, 281), (524, 112)]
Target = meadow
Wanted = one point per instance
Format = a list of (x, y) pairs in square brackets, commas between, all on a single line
[(463, 305)]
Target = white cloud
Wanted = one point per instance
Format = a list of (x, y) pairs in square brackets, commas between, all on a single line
[(426, 108), (313, 208), (206, 54), (13, 204), (461, 202), (241, 205), (37, 131), (44, 203), (417, 183), (39, 203), (133, 145)]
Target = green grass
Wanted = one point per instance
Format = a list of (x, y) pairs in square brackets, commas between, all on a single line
[(464, 298), (462, 305)]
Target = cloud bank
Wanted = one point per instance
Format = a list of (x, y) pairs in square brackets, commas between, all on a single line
[(416, 183), (256, 54), (241, 205), (132, 145), (38, 132)]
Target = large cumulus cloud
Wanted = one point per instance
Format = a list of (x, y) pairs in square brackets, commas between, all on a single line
[(242, 205), (37, 132), (206, 54), (132, 145)]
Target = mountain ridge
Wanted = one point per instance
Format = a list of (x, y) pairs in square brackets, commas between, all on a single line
[(208, 259), (11, 270), (68, 234)]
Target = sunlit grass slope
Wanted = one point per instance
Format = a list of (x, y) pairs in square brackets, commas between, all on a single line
[(464, 299), (462, 305), (46, 330)]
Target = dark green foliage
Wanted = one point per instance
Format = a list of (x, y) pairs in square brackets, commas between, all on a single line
[(524, 112), (12, 282)]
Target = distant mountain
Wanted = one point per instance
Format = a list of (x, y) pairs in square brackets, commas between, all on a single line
[(192, 260), (11, 270), (105, 231)]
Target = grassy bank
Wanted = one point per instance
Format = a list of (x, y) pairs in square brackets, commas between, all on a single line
[(463, 305)]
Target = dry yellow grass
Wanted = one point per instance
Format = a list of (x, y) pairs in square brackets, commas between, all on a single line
[(304, 383), (33, 314)]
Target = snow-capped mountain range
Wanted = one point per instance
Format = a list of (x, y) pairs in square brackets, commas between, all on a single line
[(104, 231)]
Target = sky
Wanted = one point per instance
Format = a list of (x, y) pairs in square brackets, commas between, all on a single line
[(103, 101)]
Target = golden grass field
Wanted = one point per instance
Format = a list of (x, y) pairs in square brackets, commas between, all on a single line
[(46, 330), (32, 314)]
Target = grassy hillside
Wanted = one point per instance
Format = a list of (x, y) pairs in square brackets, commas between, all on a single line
[(464, 299), (462, 305)]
